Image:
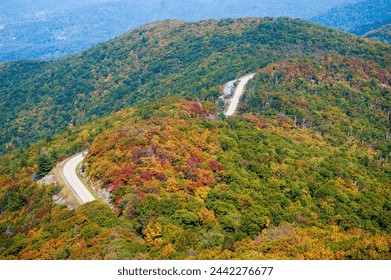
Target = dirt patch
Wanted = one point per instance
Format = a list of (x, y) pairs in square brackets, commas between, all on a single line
[(65, 196)]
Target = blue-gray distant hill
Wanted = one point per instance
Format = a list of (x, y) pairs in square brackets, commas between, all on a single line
[(49, 29), (383, 34), (358, 18)]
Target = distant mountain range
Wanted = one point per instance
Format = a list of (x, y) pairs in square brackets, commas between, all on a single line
[(49, 29), (358, 18), (383, 34)]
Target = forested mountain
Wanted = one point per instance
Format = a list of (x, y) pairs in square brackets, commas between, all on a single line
[(344, 97), (185, 184), (358, 18), (40, 98), (48, 29), (302, 171), (383, 34)]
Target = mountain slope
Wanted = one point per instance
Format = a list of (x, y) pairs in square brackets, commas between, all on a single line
[(186, 185), (302, 170), (44, 29), (358, 18), (383, 34), (338, 96), (160, 59)]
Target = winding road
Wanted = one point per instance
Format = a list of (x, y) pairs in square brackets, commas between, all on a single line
[(237, 94), (68, 171)]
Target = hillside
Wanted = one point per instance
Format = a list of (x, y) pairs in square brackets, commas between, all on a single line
[(48, 29), (301, 171), (40, 98), (358, 18), (340, 97), (383, 34), (185, 184)]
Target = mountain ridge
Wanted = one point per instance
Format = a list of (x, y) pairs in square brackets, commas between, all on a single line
[(41, 29), (164, 58), (358, 18), (301, 171), (382, 34)]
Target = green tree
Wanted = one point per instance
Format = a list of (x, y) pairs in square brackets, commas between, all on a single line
[(44, 165)]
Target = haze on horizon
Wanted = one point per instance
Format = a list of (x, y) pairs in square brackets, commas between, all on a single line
[(51, 28)]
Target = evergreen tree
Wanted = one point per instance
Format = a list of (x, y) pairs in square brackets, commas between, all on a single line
[(44, 165)]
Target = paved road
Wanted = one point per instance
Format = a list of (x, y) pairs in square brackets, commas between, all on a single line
[(69, 172), (237, 94)]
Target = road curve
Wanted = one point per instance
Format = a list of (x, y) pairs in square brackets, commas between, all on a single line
[(68, 171), (237, 94)]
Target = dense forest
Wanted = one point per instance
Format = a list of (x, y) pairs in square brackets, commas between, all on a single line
[(43, 29), (186, 184), (339, 97), (358, 18), (40, 98), (301, 171)]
